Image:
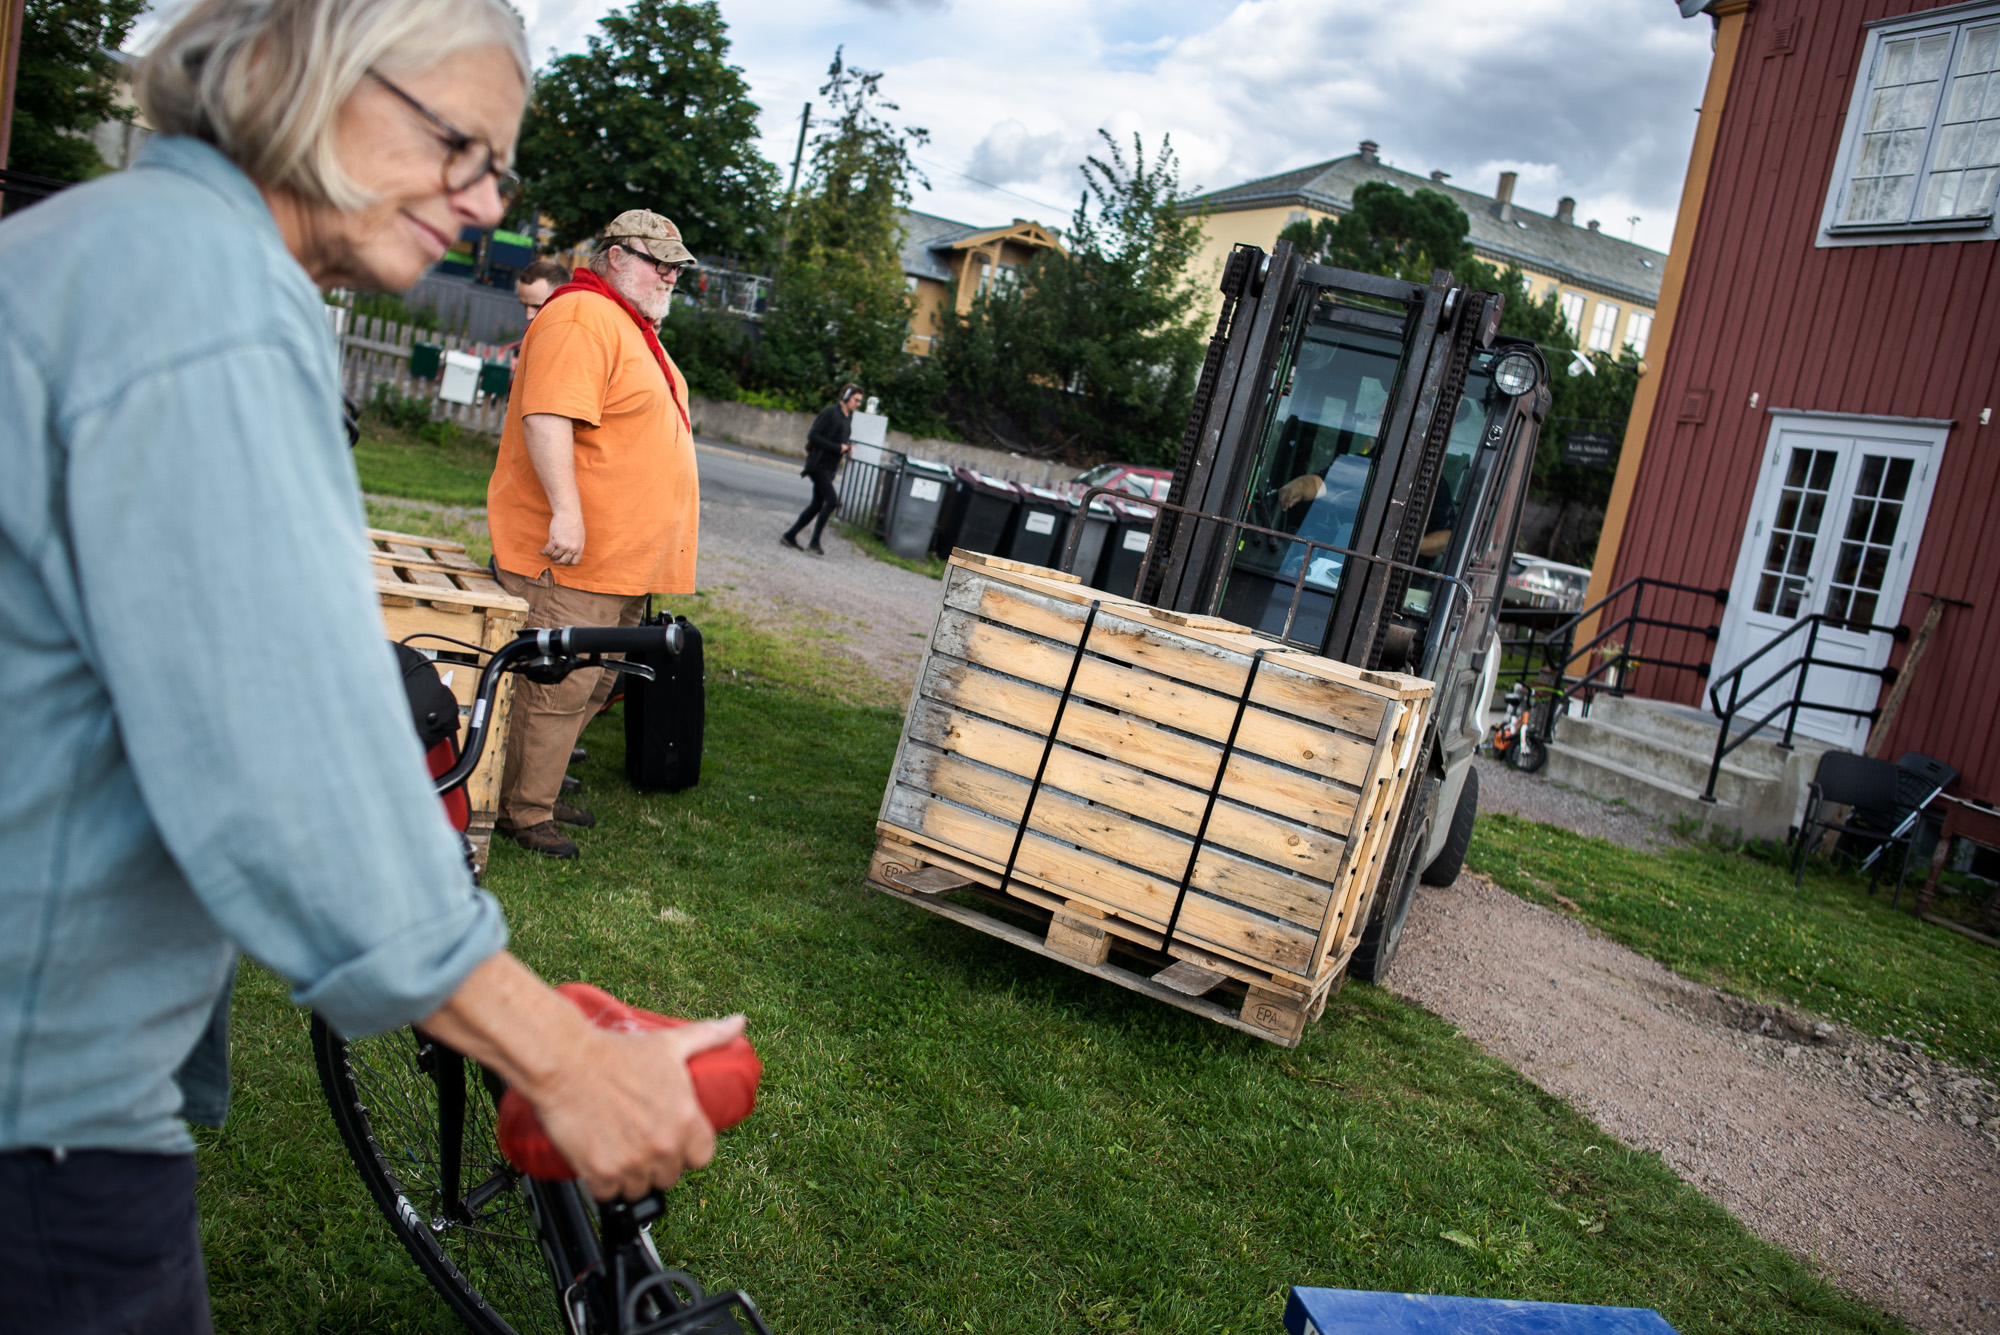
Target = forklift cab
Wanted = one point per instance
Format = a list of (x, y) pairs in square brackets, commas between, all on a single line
[(1351, 483)]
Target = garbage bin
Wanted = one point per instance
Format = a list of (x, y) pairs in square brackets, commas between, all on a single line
[(1125, 546), (1036, 534), (982, 510), (1096, 527), (920, 491)]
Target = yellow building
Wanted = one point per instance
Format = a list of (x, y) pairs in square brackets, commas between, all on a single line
[(938, 252), (1607, 288)]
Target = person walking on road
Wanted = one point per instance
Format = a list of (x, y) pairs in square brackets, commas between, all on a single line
[(594, 501), (827, 443)]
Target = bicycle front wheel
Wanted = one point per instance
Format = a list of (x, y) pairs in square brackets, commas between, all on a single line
[(418, 1120)]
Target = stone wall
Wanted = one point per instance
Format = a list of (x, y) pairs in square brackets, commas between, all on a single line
[(785, 433)]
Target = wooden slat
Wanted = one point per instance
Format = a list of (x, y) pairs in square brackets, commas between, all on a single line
[(1286, 793), (1176, 656), (416, 539), (1296, 847), (1204, 713), (1107, 885), (1213, 631), (897, 849), (1110, 973), (1218, 872)]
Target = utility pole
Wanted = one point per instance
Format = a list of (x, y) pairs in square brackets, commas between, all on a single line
[(792, 190), (13, 16)]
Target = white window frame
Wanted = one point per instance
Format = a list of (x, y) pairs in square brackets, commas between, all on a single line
[(1571, 305), (1953, 18), (1603, 330), (1638, 332)]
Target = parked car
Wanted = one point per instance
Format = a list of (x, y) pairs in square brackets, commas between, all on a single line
[(1536, 581), (1147, 484)]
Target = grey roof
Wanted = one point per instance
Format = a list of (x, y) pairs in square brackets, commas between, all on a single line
[(921, 233), (1568, 251)]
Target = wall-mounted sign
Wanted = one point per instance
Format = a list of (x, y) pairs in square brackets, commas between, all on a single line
[(1589, 449)]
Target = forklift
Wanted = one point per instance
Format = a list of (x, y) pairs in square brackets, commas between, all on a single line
[(1350, 483)]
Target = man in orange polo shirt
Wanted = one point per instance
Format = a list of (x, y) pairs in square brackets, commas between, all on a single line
[(594, 502)]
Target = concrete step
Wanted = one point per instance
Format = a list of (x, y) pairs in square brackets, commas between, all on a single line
[(1692, 730), (1646, 792), (1674, 764)]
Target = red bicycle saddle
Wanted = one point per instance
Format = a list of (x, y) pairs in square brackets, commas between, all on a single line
[(725, 1083)]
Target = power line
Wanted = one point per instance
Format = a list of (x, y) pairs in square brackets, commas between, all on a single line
[(1038, 203)]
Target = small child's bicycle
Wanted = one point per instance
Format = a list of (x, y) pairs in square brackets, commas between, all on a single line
[(510, 1251), (1522, 737)]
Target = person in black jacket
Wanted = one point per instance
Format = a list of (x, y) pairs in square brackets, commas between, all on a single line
[(826, 445)]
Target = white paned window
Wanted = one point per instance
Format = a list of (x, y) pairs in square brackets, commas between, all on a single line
[(1572, 309), (1921, 150), (1604, 327), (1638, 331)]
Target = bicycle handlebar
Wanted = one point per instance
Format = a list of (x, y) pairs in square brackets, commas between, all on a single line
[(573, 641)]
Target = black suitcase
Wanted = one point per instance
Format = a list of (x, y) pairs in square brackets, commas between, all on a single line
[(664, 717)]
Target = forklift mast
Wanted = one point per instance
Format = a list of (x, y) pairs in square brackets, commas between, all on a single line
[(1353, 442)]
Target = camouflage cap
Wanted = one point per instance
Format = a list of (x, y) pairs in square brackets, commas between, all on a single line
[(662, 237)]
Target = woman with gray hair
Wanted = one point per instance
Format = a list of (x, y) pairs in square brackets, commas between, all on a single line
[(205, 747)]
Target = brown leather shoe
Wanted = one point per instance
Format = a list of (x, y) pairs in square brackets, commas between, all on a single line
[(546, 839), (571, 784), (577, 816)]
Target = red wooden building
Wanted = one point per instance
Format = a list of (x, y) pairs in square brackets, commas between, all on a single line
[(1819, 435)]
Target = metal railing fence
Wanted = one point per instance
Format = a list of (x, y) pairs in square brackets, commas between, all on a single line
[(865, 492)]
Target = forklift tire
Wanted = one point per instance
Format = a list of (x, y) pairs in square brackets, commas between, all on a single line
[(1376, 953), (1450, 860)]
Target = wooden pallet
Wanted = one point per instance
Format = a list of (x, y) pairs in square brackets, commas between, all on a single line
[(1281, 847), (429, 586)]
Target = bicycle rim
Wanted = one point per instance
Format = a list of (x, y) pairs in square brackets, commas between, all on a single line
[(481, 1249)]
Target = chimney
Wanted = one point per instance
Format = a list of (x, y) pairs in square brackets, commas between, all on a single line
[(1503, 197), (1592, 224), (1566, 211), (1369, 150), (1439, 178)]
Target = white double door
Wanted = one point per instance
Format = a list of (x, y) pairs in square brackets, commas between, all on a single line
[(1834, 528)]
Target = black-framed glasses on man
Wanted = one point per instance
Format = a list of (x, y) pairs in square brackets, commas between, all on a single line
[(468, 158), (664, 268)]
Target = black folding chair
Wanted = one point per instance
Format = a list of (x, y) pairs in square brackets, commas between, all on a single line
[(1919, 779), (1871, 791)]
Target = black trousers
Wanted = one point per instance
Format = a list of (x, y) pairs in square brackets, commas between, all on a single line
[(825, 502), (98, 1241)]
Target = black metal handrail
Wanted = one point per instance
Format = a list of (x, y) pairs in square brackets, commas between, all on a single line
[(1559, 653), (1238, 527), (1799, 668), (865, 491), (20, 188)]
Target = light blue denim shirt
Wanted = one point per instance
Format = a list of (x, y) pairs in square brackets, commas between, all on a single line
[(204, 744)]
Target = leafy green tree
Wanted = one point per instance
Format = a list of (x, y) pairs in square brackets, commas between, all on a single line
[(1094, 351), (840, 309), (652, 116), (1390, 233), (67, 84)]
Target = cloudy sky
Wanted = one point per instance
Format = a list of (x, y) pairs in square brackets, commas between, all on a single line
[(1590, 98)]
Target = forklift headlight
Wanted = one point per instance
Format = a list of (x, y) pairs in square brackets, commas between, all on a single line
[(1514, 374)]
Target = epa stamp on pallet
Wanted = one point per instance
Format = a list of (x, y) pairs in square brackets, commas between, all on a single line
[(429, 587), (1213, 807)]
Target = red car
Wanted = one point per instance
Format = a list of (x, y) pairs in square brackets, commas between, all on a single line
[(1147, 484)]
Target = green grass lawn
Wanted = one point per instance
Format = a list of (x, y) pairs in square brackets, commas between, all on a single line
[(954, 1135), (396, 463), (1733, 920)]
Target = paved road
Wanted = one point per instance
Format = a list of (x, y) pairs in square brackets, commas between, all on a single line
[(881, 613)]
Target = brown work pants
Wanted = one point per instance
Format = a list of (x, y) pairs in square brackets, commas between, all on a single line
[(547, 720)]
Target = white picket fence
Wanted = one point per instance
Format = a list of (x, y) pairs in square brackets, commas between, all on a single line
[(375, 352)]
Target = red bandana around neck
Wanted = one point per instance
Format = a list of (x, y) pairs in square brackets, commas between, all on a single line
[(583, 280)]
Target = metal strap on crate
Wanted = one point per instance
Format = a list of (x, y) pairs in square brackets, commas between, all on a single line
[(1049, 746), (1214, 790)]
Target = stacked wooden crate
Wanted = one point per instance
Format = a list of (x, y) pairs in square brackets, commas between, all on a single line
[(1277, 810), (431, 587)]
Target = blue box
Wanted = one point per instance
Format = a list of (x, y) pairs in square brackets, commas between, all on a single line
[(1363, 1312)]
